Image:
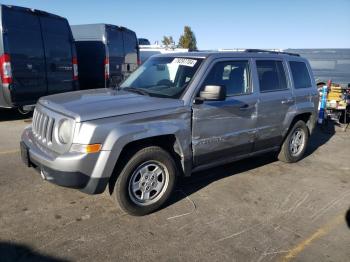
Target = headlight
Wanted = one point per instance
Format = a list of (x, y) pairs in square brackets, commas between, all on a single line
[(65, 131)]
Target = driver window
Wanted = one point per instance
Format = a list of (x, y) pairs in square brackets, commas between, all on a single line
[(234, 75)]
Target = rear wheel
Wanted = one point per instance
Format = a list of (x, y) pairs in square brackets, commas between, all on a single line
[(23, 111), (294, 145), (146, 181)]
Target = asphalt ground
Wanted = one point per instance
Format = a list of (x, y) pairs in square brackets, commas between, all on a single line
[(257, 209)]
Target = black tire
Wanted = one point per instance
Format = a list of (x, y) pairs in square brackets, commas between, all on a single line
[(286, 154), (143, 159), (22, 111)]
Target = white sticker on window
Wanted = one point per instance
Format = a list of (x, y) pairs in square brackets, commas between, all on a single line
[(184, 62)]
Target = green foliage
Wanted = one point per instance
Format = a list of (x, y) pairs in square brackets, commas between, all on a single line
[(188, 39), (167, 40)]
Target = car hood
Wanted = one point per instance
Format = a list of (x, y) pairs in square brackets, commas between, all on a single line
[(100, 103)]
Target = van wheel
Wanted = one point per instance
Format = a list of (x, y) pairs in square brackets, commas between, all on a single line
[(22, 111), (146, 181), (295, 143)]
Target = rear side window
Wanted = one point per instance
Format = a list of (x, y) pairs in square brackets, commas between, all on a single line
[(272, 76), (301, 77), (234, 75)]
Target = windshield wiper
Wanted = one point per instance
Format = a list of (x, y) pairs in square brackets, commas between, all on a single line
[(136, 90)]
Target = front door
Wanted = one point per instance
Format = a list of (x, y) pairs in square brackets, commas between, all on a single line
[(223, 130)]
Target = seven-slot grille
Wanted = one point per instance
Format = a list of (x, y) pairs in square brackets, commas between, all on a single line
[(42, 126)]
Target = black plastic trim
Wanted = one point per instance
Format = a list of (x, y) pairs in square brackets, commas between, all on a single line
[(76, 180)]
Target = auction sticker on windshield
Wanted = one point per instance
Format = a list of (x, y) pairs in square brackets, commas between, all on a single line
[(184, 62)]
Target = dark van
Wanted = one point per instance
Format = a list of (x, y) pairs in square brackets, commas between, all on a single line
[(144, 41), (37, 56), (107, 54)]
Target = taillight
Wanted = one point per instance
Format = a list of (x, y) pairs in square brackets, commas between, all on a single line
[(138, 61), (106, 67), (5, 70), (75, 68)]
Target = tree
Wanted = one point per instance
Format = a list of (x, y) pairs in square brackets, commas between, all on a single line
[(188, 39), (167, 40)]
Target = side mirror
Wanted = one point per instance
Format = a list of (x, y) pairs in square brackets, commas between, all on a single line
[(213, 93)]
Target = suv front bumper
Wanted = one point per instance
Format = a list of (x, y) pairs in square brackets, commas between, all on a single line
[(74, 170)]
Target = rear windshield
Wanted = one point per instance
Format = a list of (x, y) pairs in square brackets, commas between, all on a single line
[(115, 43), (130, 43), (55, 25), (19, 19), (24, 40), (58, 41)]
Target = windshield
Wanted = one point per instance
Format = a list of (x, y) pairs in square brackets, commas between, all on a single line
[(162, 76)]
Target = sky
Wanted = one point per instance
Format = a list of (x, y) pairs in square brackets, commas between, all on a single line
[(217, 23)]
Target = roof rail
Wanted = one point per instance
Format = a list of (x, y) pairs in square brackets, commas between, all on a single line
[(269, 51)]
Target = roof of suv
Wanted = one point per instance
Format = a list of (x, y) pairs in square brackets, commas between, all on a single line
[(246, 53)]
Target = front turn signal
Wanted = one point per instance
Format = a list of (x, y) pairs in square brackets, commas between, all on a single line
[(92, 148)]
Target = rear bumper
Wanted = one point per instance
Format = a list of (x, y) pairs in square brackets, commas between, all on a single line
[(5, 96), (71, 170)]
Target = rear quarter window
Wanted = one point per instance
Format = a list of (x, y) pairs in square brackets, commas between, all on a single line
[(300, 74)]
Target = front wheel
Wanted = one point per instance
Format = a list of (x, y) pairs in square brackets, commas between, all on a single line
[(294, 145), (146, 181)]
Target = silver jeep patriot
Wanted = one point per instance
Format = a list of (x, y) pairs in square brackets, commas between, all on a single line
[(176, 114)]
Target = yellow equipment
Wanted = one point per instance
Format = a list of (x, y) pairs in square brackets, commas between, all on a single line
[(338, 98)]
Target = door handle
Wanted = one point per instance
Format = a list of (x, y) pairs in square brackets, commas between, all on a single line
[(287, 101)]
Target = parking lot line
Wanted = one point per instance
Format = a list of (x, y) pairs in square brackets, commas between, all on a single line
[(9, 152), (322, 231)]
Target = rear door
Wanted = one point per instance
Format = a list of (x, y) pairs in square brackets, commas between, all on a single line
[(116, 55), (131, 52), (58, 51), (23, 42), (276, 98), (91, 57)]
